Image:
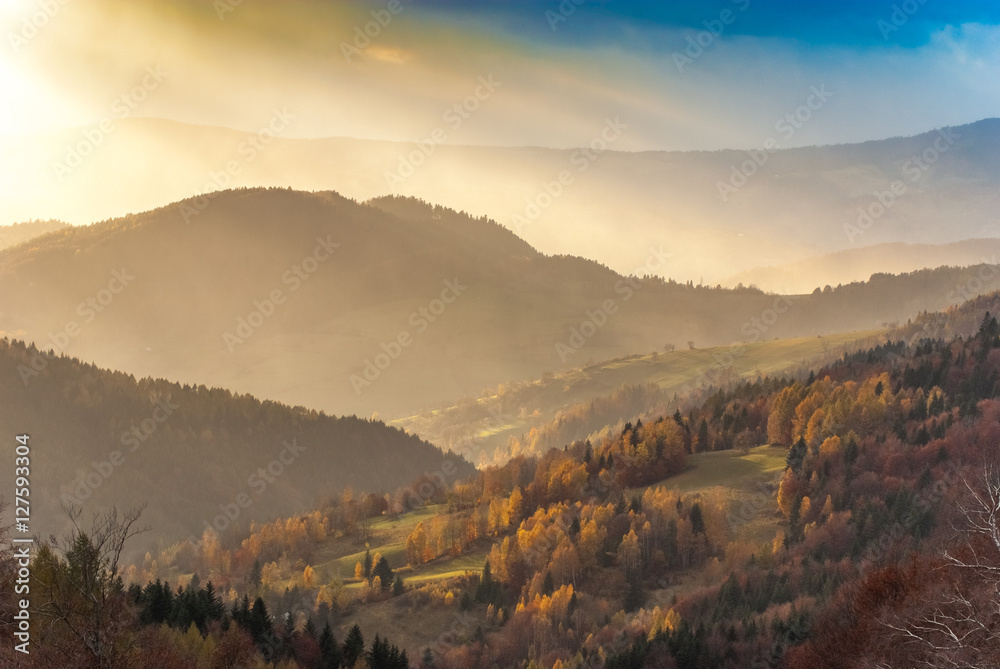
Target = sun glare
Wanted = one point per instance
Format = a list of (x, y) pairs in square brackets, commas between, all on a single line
[(12, 9), (12, 89)]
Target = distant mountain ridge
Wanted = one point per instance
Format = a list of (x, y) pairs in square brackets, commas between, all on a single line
[(787, 204), (315, 300), (19, 233), (861, 263)]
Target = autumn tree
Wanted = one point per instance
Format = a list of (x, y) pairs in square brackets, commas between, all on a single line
[(416, 544), (779, 422)]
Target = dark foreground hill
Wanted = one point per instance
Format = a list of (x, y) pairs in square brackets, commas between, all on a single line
[(196, 455)]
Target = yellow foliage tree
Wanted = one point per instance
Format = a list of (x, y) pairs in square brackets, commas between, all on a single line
[(270, 574), (591, 538), (828, 507), (779, 542), (515, 507), (416, 545), (628, 552), (788, 493), (805, 507), (830, 445), (814, 429)]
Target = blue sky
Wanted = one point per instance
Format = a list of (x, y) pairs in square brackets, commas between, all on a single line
[(654, 65), (852, 23)]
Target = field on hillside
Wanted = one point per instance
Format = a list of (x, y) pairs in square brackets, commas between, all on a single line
[(482, 425), (748, 480), (742, 477)]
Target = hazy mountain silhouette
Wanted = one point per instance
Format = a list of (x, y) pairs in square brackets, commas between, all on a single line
[(12, 235), (859, 264), (794, 204), (315, 300)]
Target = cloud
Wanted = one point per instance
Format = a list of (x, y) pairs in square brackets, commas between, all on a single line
[(607, 59), (387, 54)]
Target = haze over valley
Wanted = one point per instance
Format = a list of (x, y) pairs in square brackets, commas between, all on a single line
[(464, 335)]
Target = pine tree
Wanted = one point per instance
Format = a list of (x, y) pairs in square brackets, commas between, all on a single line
[(383, 572), (260, 626), (635, 596), (213, 606), (354, 646), (697, 519), (366, 566), (703, 444), (378, 656), (796, 455), (329, 649), (253, 579), (310, 629)]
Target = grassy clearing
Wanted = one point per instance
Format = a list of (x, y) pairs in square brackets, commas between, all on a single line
[(336, 558), (670, 371), (747, 480), (728, 469), (442, 568)]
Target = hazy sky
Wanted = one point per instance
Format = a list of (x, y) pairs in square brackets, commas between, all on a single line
[(559, 69)]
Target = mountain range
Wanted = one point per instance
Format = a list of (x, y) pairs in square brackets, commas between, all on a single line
[(391, 306), (718, 212)]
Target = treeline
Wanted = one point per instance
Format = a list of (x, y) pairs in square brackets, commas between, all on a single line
[(580, 420), (18, 233), (585, 547), (884, 530), (110, 439), (884, 475), (84, 616)]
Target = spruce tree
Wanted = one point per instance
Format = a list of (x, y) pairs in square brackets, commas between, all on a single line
[(384, 572), (354, 646)]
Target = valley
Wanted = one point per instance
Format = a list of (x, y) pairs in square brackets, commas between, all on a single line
[(499, 335)]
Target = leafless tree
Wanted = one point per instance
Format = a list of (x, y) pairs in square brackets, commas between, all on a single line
[(955, 624), (80, 598)]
